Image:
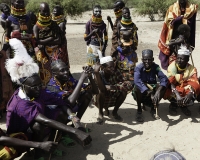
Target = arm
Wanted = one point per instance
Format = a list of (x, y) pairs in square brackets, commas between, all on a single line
[(98, 79), (105, 42), (118, 34), (110, 21), (83, 137), (15, 142), (178, 97), (94, 85)]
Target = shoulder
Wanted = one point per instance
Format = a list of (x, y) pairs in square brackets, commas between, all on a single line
[(139, 66)]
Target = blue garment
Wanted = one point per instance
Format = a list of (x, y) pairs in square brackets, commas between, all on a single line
[(141, 76)]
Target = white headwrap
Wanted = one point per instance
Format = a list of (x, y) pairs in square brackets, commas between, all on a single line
[(106, 59), (184, 51), (22, 65)]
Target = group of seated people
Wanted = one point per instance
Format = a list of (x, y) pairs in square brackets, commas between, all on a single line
[(43, 104)]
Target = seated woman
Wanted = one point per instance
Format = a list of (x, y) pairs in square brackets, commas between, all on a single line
[(64, 86), (184, 86), (12, 146), (27, 109), (113, 89), (146, 89)]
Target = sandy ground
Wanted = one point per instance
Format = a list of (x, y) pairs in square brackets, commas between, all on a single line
[(130, 140)]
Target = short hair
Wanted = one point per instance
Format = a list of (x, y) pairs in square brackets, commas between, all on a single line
[(119, 4), (147, 51), (55, 63), (2, 7), (97, 6), (183, 28), (60, 8), (126, 8)]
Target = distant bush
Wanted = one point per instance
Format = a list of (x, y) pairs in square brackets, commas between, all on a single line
[(151, 7)]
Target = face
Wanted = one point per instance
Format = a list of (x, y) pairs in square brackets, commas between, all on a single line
[(19, 4), (61, 72), (182, 4), (97, 12), (33, 86), (110, 68), (147, 60), (6, 10), (182, 61), (44, 10), (126, 13), (57, 12)]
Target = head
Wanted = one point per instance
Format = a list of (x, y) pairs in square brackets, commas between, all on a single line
[(107, 65), (126, 13), (118, 5), (5, 9), (182, 4), (19, 4), (147, 58), (60, 70), (32, 86), (57, 10), (32, 16), (184, 30), (97, 11), (183, 57), (44, 9)]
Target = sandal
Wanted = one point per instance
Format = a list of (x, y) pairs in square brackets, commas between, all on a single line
[(139, 117), (67, 141), (186, 111), (118, 118), (172, 110)]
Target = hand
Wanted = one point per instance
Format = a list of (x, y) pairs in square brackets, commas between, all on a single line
[(88, 70), (84, 138), (108, 18), (97, 67), (187, 98), (48, 146), (148, 92), (156, 98)]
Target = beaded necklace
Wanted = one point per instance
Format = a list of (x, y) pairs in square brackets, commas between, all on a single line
[(96, 19), (118, 13), (43, 21), (58, 19), (18, 12), (126, 21), (180, 68)]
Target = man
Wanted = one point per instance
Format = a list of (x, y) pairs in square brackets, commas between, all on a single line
[(64, 86), (48, 37), (181, 12), (184, 83), (113, 89), (95, 31), (117, 8), (27, 109), (11, 147), (147, 90), (5, 9)]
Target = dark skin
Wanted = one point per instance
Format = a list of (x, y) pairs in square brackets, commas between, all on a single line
[(45, 11), (61, 72), (108, 71), (182, 5), (32, 88), (182, 61), (19, 4), (6, 10), (147, 60), (97, 13), (17, 143)]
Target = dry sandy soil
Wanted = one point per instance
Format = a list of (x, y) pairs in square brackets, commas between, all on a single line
[(130, 140)]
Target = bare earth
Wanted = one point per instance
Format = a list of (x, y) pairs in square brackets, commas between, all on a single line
[(130, 140)]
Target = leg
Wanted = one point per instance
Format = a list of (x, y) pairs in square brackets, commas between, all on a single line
[(139, 117), (84, 101), (100, 103), (120, 99)]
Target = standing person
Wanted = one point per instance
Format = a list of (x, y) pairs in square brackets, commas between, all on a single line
[(59, 17), (5, 9), (113, 89), (184, 84), (48, 37), (117, 8), (27, 109), (146, 89), (181, 12), (124, 25), (95, 31)]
